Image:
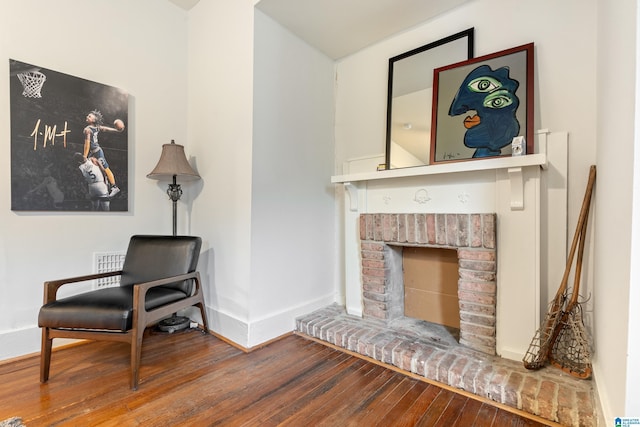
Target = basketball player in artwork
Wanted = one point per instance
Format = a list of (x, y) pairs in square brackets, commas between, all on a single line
[(51, 185), (92, 148), (93, 174)]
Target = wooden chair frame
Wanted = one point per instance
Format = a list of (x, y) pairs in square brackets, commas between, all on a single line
[(141, 318)]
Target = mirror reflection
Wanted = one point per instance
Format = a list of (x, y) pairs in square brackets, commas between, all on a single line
[(409, 97)]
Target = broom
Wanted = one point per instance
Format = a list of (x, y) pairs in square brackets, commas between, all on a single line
[(541, 345), (571, 351)]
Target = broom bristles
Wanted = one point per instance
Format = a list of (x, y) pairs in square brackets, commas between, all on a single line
[(571, 351), (538, 353)]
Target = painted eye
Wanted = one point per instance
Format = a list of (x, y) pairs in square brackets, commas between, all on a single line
[(498, 99), (484, 84)]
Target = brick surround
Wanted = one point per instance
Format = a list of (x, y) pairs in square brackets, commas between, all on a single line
[(473, 236)]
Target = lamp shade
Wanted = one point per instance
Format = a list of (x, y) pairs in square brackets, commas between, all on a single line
[(173, 162)]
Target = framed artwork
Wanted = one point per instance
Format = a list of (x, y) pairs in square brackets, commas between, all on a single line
[(69, 142), (481, 105)]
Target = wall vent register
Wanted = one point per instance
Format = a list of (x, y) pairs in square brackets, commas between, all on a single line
[(104, 262)]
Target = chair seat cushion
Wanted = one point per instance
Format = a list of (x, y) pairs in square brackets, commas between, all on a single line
[(107, 309)]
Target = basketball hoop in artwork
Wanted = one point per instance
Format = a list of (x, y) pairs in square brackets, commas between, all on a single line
[(32, 82)]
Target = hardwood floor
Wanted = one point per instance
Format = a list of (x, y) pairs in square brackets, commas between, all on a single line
[(191, 379)]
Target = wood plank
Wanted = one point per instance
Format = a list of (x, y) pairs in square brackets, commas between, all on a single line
[(486, 415), (468, 413), (426, 403), (194, 379), (272, 390), (323, 396), (379, 406), (338, 409), (349, 413), (443, 412), (294, 389), (401, 407)]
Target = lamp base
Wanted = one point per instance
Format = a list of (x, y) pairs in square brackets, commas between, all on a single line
[(174, 323)]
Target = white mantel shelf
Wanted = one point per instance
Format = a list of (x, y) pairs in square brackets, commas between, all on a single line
[(513, 162)]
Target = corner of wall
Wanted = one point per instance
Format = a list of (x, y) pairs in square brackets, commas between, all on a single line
[(229, 327), (278, 324)]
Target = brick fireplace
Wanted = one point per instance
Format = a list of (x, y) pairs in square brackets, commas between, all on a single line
[(473, 236), (437, 206)]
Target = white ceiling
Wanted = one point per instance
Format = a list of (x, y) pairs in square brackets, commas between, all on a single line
[(185, 4), (341, 27)]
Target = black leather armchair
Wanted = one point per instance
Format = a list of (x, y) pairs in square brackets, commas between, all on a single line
[(157, 279)]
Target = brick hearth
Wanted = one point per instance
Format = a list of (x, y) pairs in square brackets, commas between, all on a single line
[(548, 393)]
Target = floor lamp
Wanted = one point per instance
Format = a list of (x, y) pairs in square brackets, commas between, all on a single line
[(172, 164)]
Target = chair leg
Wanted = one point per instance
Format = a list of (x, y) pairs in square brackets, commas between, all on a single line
[(203, 314), (136, 353), (45, 355)]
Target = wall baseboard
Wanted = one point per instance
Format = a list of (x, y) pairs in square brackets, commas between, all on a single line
[(19, 342), (249, 334), (238, 332)]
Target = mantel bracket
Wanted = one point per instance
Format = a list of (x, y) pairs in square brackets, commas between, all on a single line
[(517, 188), (353, 196)]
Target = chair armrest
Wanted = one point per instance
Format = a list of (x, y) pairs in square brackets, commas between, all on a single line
[(145, 286), (140, 289), (51, 286)]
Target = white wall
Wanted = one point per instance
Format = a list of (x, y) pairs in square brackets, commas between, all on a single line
[(617, 357), (261, 114), (633, 370), (220, 115), (114, 42), (292, 210)]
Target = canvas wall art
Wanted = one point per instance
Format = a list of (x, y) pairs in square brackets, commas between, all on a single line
[(481, 105), (69, 142)]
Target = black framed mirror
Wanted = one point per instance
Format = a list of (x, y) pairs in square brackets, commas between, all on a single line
[(409, 97)]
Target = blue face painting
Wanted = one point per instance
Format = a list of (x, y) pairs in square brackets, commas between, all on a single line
[(491, 94)]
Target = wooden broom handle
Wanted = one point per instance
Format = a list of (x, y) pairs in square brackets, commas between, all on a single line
[(584, 212), (578, 272)]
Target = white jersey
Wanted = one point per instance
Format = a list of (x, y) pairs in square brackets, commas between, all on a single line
[(95, 179), (91, 172)]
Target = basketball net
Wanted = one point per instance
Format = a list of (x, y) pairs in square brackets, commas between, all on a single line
[(32, 82)]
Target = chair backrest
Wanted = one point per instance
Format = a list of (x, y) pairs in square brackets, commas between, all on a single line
[(156, 257)]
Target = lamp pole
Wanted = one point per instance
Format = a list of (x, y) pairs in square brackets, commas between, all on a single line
[(174, 192)]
